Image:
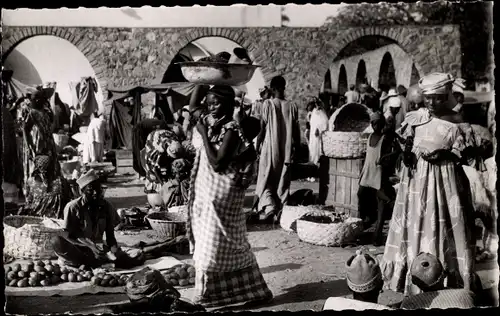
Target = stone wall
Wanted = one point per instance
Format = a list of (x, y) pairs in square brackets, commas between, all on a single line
[(126, 56)]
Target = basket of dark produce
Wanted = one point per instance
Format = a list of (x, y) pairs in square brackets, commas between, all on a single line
[(349, 130), (167, 224), (217, 70), (329, 229)]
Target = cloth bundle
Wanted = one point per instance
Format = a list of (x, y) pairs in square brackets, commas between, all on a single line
[(150, 292)]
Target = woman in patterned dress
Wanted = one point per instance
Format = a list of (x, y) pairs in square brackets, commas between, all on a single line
[(433, 212), (36, 120), (226, 269)]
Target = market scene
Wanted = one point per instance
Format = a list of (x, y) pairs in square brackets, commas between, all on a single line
[(275, 158)]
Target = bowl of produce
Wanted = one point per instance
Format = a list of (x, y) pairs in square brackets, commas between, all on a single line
[(182, 275), (217, 73)]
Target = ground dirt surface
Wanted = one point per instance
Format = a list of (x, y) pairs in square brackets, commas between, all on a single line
[(300, 275)]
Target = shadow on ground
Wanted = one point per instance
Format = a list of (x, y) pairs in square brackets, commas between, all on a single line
[(280, 267), (300, 293)]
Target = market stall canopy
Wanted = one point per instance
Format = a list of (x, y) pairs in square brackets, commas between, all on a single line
[(14, 89), (172, 88)]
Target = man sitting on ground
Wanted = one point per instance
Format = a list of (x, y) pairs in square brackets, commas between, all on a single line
[(86, 219)]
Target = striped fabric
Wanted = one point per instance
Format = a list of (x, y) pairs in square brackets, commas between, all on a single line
[(450, 298)]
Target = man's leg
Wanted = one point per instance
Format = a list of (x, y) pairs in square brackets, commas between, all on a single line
[(73, 254), (366, 198)]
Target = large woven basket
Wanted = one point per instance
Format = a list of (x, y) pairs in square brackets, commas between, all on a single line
[(27, 237), (330, 235), (290, 215), (167, 225), (351, 117), (349, 145)]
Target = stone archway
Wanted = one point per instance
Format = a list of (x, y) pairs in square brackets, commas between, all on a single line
[(414, 77), (361, 73), (47, 58), (16, 35), (387, 73), (343, 85), (327, 84)]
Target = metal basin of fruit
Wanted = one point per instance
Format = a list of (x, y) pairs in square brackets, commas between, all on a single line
[(202, 72)]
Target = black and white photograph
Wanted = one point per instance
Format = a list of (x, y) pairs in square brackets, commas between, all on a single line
[(270, 157)]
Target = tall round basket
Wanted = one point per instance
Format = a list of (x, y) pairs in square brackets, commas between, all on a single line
[(28, 237)]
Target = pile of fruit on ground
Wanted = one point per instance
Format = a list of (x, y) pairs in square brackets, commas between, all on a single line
[(180, 275), (40, 273)]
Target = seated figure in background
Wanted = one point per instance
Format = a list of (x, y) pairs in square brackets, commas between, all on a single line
[(86, 219)]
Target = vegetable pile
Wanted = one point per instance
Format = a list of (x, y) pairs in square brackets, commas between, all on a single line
[(180, 275)]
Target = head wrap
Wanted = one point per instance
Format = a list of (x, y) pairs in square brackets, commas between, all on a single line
[(87, 178), (436, 83), (392, 93), (262, 90), (363, 272), (223, 92), (426, 270)]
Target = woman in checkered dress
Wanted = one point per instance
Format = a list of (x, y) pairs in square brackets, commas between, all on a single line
[(226, 269)]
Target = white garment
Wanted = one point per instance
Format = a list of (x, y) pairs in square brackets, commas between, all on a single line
[(352, 96), (319, 121), (96, 130)]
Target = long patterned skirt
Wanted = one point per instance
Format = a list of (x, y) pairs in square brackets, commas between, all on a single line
[(433, 213), (226, 270)]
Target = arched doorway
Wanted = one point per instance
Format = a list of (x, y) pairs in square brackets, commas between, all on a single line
[(414, 75), (48, 58), (361, 73), (327, 85), (387, 74), (343, 83), (207, 46)]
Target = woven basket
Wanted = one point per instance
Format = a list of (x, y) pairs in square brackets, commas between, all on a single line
[(330, 235), (167, 225), (344, 144), (26, 237), (290, 215), (351, 117)]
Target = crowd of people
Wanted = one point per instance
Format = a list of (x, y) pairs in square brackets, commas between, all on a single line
[(421, 137)]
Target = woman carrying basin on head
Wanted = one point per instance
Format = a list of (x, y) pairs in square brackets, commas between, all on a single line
[(226, 270)]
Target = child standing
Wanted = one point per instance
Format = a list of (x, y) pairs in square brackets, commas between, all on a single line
[(374, 185)]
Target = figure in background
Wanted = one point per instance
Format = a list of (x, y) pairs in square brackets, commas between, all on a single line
[(391, 108), (318, 124), (279, 136), (265, 94), (374, 185), (352, 96), (12, 170), (458, 94), (433, 211), (140, 134), (405, 104), (93, 150), (226, 269), (49, 192), (36, 121)]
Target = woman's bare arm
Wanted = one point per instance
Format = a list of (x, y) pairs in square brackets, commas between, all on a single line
[(197, 96), (220, 159)]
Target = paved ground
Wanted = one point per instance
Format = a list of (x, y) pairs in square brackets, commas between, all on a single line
[(301, 276)]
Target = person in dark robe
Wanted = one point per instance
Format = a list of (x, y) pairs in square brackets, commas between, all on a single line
[(139, 136)]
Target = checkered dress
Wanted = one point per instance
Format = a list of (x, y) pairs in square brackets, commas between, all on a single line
[(226, 269)]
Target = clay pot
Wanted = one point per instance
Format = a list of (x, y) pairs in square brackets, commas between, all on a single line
[(426, 270)]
